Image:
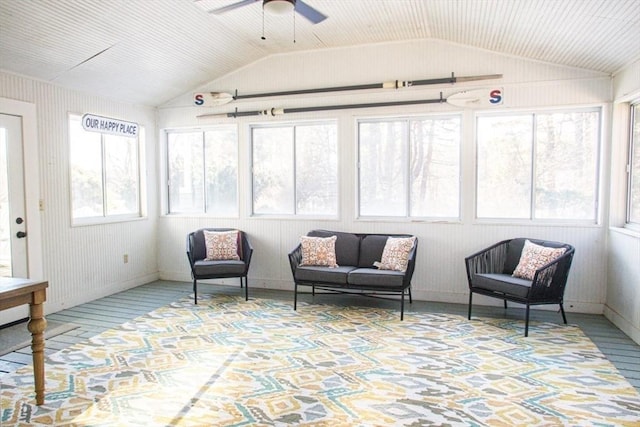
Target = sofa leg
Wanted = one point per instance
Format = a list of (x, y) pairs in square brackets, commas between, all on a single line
[(505, 304), (526, 322), (402, 307), (410, 299), (246, 288), (195, 291), (563, 315), (470, 299), (295, 296)]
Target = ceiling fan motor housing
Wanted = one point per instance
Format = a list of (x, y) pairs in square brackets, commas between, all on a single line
[(279, 7)]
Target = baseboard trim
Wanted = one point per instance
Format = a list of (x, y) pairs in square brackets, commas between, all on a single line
[(623, 324)]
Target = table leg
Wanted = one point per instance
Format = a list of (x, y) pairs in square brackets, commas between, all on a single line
[(37, 324)]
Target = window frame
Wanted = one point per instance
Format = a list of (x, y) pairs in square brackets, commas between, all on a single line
[(532, 220), (633, 144), (140, 173), (166, 194), (293, 125), (407, 119)]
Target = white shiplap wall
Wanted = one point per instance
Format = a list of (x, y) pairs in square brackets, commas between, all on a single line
[(439, 271), (84, 263)]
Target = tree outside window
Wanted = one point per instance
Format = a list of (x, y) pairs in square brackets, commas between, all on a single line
[(541, 166), (295, 169), (410, 167), (202, 168)]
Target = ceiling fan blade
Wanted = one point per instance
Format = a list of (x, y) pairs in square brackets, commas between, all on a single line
[(308, 12), (231, 6)]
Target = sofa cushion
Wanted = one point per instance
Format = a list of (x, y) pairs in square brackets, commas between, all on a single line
[(504, 283), (337, 275), (375, 277), (218, 267), (347, 245), (371, 248), (533, 257), (319, 251)]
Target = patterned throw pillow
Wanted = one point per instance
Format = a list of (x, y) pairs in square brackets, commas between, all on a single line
[(395, 255), (221, 245), (320, 251), (533, 257)]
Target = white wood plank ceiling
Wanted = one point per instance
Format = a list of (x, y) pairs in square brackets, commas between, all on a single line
[(150, 51)]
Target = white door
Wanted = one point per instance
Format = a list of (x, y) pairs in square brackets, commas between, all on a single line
[(13, 223)]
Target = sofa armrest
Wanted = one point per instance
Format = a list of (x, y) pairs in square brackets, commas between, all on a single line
[(247, 251), (411, 265), (295, 258)]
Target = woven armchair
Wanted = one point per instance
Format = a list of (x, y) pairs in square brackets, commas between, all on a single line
[(201, 268), (489, 272)]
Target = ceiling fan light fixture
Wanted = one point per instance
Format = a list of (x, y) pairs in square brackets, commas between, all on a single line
[(279, 7)]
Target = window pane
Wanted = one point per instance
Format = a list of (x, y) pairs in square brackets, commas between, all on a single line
[(634, 181), (383, 168), (273, 170), (121, 175), (435, 167), (221, 155), (566, 165), (186, 172), (316, 170), (86, 170), (504, 166)]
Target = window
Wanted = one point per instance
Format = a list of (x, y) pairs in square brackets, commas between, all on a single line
[(295, 169), (105, 174), (202, 170), (633, 198), (538, 166), (410, 167)]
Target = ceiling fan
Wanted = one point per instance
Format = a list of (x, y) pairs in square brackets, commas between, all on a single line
[(278, 7)]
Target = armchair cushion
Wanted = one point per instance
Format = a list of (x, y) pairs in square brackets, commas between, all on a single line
[(221, 245), (502, 283), (319, 251), (533, 257), (219, 268)]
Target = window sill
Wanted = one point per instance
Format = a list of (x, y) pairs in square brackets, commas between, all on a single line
[(626, 231), (105, 220)]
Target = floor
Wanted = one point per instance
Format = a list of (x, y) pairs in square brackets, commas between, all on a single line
[(97, 316)]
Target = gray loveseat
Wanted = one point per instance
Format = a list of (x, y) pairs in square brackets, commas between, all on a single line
[(356, 273)]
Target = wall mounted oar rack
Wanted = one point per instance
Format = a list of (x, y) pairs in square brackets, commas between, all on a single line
[(396, 84)]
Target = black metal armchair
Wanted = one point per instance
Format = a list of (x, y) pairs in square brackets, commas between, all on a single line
[(203, 268), (489, 273)]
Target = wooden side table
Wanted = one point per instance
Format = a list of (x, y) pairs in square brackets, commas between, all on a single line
[(15, 292)]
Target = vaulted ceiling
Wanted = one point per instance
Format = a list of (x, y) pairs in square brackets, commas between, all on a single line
[(150, 51)]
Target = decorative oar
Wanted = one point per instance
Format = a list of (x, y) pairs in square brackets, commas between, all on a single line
[(221, 98)]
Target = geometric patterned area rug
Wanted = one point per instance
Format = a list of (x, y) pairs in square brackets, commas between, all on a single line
[(230, 362)]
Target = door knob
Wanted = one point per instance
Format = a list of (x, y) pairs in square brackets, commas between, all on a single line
[(21, 234), (19, 220)]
